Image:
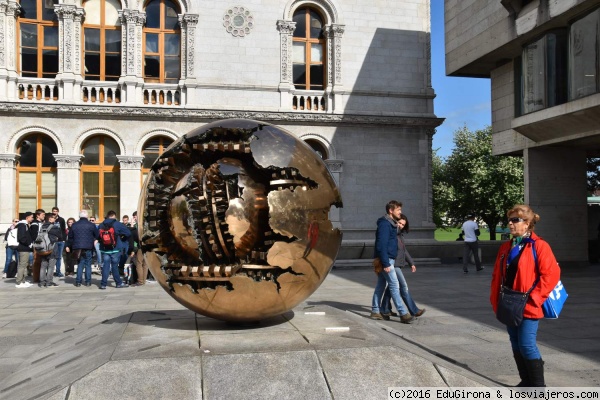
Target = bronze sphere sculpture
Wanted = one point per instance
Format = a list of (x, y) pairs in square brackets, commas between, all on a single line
[(234, 220)]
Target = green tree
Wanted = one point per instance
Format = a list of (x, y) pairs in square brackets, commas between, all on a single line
[(593, 175), (477, 181)]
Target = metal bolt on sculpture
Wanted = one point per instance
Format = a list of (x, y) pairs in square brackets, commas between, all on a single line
[(234, 220)]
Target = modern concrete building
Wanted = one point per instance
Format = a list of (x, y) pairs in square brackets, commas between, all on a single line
[(542, 58), (91, 92)]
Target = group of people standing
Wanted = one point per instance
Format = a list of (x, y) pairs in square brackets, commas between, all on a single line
[(80, 241), (525, 262)]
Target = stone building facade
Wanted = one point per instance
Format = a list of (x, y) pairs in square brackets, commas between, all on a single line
[(92, 91), (541, 56)]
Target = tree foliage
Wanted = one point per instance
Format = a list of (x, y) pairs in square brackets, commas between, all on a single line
[(593, 175), (472, 180)]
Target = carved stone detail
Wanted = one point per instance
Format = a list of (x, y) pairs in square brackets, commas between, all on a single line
[(337, 31), (130, 162), (9, 160), (69, 37), (335, 165), (131, 41), (188, 46), (209, 115), (13, 9), (286, 29), (238, 21), (68, 161)]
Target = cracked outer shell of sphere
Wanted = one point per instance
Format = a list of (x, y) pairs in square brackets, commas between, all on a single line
[(234, 220)]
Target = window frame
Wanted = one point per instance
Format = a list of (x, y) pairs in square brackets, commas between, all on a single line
[(38, 169), (161, 148), (102, 28), (308, 41), (100, 169), (161, 31), (40, 24)]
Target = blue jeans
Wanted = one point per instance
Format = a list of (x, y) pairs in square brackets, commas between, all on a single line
[(523, 339), (392, 281), (10, 254), (386, 304), (111, 264), (85, 262), (61, 247), (98, 254)]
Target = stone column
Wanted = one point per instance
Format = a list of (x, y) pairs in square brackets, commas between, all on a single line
[(8, 195), (68, 184), (69, 50), (131, 182), (132, 78), (555, 187), (188, 48), (334, 68), (9, 10), (336, 167), (286, 78)]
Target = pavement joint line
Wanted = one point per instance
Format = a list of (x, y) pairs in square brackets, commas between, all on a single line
[(68, 361), (159, 319), (43, 358), (15, 385), (149, 347), (85, 340), (353, 337), (37, 396), (69, 330)]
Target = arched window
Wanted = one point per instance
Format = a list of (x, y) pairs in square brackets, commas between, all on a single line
[(38, 40), (309, 50), (151, 150), (100, 176), (36, 173), (162, 42), (102, 40), (318, 147)]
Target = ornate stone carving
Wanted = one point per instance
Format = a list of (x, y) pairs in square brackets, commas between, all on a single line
[(2, 42), (131, 41), (238, 21), (69, 15), (335, 165), (201, 115), (286, 29), (9, 160), (68, 161), (130, 162), (13, 9), (337, 32), (190, 21)]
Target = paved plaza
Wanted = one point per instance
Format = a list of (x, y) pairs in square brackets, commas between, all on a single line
[(84, 343)]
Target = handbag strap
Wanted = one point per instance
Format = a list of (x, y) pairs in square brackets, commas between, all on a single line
[(537, 279)]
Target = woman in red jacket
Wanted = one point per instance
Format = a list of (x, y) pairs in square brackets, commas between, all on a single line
[(516, 269)]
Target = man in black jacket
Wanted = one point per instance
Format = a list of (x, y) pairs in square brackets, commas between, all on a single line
[(61, 244), (48, 260), (24, 248)]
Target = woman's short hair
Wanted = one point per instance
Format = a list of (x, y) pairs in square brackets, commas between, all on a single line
[(525, 212)]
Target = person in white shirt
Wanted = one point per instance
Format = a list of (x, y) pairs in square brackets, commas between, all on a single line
[(471, 230)]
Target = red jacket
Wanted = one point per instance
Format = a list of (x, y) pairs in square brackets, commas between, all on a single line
[(526, 274)]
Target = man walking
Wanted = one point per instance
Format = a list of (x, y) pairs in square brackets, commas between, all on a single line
[(25, 248), (471, 230), (80, 241), (48, 259), (113, 239), (386, 249)]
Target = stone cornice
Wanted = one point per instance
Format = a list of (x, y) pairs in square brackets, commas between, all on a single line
[(130, 162), (201, 115), (68, 161), (9, 160)]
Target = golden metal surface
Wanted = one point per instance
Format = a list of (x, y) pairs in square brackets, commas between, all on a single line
[(234, 220)]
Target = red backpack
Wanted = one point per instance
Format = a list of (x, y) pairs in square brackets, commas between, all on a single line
[(107, 237)]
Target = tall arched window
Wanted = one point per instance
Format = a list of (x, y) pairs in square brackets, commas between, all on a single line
[(100, 176), (162, 42), (309, 50), (151, 150), (36, 173), (38, 39), (102, 40)]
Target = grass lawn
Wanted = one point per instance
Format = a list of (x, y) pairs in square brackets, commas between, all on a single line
[(452, 234)]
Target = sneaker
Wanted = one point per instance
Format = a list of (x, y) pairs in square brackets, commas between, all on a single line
[(88, 284), (480, 269), (465, 271), (41, 285), (122, 285), (27, 284), (376, 316), (59, 275), (421, 312), (407, 319), (102, 287), (77, 284), (386, 316), (51, 284), (21, 285), (4, 275)]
